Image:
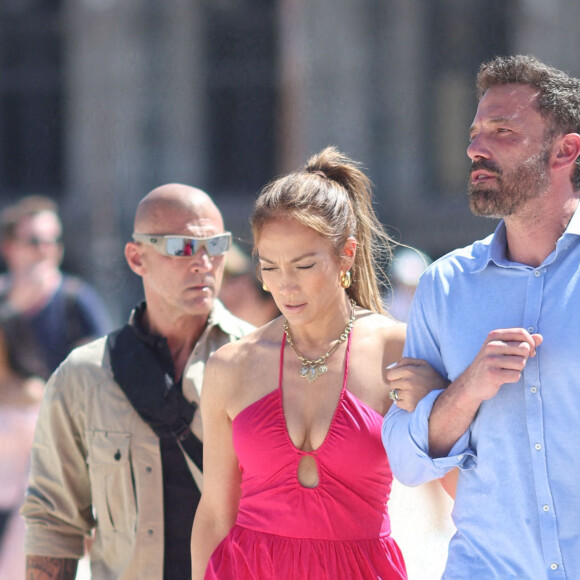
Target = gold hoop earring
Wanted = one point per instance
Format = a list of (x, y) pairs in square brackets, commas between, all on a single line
[(346, 280), (265, 288)]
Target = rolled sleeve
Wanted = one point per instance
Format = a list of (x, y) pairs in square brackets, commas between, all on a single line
[(406, 440)]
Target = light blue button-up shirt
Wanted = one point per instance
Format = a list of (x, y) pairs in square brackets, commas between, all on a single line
[(517, 508)]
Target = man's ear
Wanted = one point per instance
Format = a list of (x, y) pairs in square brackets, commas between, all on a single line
[(568, 150), (134, 257)]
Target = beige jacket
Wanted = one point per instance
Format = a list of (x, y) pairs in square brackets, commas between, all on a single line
[(96, 464)]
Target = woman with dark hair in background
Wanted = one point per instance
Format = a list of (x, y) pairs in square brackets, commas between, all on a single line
[(20, 396), (296, 480)]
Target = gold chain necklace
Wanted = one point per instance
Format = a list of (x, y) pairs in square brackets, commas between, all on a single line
[(312, 369)]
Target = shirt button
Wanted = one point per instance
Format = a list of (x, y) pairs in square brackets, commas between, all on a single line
[(459, 457), (150, 532), (531, 329), (534, 389), (148, 469), (537, 446), (537, 273), (554, 566), (546, 508)]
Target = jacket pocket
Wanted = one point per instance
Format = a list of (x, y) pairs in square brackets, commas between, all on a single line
[(112, 481)]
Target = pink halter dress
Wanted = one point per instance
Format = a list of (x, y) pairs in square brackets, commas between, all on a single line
[(339, 530)]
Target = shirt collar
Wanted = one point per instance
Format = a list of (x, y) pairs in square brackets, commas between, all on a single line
[(574, 225), (218, 316), (136, 323), (222, 318), (491, 249), (494, 247)]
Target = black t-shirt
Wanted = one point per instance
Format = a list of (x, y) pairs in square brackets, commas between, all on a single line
[(180, 493), (180, 499)]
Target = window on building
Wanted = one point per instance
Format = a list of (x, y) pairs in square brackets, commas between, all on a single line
[(462, 35), (31, 98), (241, 64)]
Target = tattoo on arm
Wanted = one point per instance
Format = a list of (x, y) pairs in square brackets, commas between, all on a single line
[(47, 568)]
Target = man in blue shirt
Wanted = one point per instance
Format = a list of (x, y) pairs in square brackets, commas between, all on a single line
[(44, 312), (501, 319)]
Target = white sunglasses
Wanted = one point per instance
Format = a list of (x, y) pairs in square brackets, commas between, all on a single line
[(186, 246)]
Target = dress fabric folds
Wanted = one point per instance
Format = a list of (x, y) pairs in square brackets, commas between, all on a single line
[(338, 530)]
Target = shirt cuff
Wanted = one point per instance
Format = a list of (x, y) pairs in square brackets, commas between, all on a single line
[(406, 440), (460, 455)]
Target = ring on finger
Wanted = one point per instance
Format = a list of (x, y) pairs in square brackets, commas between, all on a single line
[(394, 395)]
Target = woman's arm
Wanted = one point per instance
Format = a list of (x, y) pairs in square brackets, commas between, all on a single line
[(449, 482), (218, 506)]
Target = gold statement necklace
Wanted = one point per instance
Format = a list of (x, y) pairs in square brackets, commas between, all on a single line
[(312, 369)]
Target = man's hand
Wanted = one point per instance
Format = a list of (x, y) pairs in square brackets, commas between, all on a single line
[(501, 360), (32, 289)]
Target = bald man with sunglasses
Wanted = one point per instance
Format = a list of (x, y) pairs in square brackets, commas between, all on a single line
[(117, 451)]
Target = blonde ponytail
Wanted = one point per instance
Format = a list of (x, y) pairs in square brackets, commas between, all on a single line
[(334, 197)]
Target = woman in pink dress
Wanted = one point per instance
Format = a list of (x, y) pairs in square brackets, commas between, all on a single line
[(296, 480)]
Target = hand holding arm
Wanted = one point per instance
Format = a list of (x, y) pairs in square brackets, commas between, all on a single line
[(501, 360), (413, 379), (33, 288)]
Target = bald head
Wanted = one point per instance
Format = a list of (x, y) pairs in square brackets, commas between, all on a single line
[(175, 205), (177, 287)]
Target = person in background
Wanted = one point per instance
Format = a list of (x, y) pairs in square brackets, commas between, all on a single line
[(46, 313), (117, 448), (501, 319), (242, 293), (20, 398), (406, 268), (296, 479)]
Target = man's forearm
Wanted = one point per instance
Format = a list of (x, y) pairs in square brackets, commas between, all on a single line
[(501, 360), (450, 418), (47, 568)]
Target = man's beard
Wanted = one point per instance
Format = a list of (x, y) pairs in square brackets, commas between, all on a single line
[(513, 188)]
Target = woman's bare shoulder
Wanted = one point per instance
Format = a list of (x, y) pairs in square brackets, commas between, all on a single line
[(235, 357), (382, 324), (238, 372), (381, 333)]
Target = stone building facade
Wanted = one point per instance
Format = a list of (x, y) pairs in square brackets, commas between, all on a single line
[(102, 100)]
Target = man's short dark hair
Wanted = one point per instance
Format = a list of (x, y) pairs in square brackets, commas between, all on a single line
[(558, 93)]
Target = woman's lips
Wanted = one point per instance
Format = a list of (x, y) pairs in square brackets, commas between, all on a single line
[(293, 308)]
